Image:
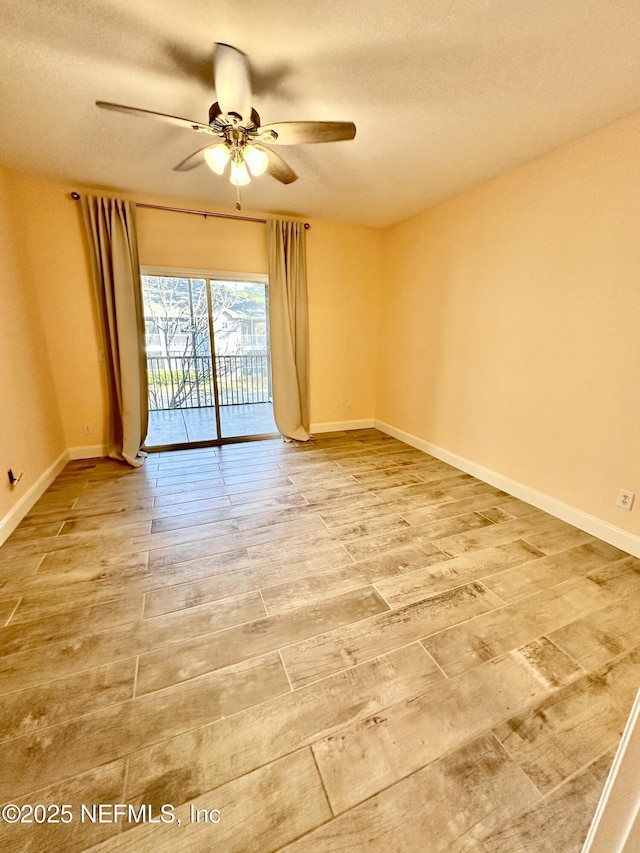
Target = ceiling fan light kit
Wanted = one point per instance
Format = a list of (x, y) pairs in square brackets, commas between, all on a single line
[(239, 176), (256, 160), (243, 141), (217, 157)]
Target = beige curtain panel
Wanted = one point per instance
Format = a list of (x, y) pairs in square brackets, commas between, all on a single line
[(111, 228), (288, 319)]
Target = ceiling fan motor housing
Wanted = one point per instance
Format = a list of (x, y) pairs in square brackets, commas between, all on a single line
[(220, 120)]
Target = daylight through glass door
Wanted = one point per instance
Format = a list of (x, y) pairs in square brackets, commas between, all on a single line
[(208, 361)]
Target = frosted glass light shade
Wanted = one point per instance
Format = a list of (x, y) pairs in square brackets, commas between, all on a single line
[(239, 175), (217, 157), (256, 160)]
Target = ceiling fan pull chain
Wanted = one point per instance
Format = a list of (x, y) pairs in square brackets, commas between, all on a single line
[(238, 204)]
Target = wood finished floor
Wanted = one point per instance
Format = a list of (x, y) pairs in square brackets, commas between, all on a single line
[(344, 645)]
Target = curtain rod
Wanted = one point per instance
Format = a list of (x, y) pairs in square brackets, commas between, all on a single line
[(75, 196)]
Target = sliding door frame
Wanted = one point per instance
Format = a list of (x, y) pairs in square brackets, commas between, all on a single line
[(210, 276)]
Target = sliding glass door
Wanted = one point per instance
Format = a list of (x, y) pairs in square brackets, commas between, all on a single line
[(208, 359)]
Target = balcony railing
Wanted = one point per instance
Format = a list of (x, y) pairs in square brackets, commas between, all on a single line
[(186, 382)]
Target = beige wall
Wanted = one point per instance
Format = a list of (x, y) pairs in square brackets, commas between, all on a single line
[(511, 325), (192, 242), (344, 277), (344, 274), (62, 277), (31, 438)]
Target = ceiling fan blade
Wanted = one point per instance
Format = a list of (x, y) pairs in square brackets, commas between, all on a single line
[(231, 81), (302, 132), (277, 168), (180, 122), (192, 161)]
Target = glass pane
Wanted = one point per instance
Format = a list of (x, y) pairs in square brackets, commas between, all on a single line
[(243, 363), (179, 363)]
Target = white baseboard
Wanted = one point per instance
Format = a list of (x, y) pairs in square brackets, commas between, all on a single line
[(590, 524), (341, 426), (15, 515), (89, 452)]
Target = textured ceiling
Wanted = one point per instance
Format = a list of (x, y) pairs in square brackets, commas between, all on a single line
[(444, 93)]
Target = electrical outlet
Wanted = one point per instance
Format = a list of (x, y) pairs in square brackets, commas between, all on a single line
[(625, 499), (348, 407), (87, 429)]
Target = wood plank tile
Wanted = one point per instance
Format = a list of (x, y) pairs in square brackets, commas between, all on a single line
[(206, 653), (231, 747), (259, 812), (363, 549), (551, 542), (415, 815), (621, 578), (14, 568), (560, 735), (80, 582), (66, 657), (181, 535), (40, 531), (232, 527), (21, 634), (389, 476), (113, 732), (440, 474), (236, 474), (272, 487), (326, 495), (497, 534), (114, 511), (476, 503), (559, 824), (211, 475), (267, 537), (386, 459), (82, 543), (367, 756), (30, 711), (344, 508), (55, 593), (541, 574), (98, 523), (438, 492), (363, 530), (315, 587), (451, 526), (337, 514), (320, 475), (448, 573), (95, 559), (484, 637), (244, 578), (7, 607), (355, 643), (598, 637), (104, 784), (208, 467), (258, 515)]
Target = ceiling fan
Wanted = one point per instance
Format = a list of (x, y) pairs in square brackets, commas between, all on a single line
[(242, 141)]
